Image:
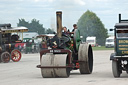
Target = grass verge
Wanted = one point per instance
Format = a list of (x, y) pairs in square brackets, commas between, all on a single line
[(102, 48)]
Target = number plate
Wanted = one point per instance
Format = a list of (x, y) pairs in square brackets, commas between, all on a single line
[(55, 51)]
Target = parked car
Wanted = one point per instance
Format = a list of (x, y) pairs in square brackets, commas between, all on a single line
[(109, 42)]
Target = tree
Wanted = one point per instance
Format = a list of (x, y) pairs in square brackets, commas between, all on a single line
[(90, 25), (34, 26), (49, 31), (22, 22)]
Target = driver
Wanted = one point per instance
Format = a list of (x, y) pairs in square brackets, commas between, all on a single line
[(65, 31)]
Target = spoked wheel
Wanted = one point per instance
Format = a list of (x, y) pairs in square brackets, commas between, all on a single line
[(15, 55), (5, 57), (85, 55), (115, 69)]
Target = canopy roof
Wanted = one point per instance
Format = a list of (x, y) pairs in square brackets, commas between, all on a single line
[(121, 25), (13, 29)]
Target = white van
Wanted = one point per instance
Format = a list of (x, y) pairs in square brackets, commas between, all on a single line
[(109, 42), (91, 41)]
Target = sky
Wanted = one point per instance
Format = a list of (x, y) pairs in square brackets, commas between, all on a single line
[(45, 11)]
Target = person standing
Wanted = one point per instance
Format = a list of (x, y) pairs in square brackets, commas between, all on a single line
[(74, 27)]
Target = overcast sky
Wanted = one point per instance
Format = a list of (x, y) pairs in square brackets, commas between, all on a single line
[(45, 11)]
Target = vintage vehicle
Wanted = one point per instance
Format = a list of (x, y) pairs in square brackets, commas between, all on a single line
[(66, 53), (43, 40), (120, 56), (109, 42), (8, 40), (31, 45), (28, 36)]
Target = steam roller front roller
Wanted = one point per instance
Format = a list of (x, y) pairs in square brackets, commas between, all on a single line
[(85, 55), (50, 62)]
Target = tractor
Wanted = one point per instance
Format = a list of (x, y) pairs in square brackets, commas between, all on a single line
[(65, 53), (30, 46), (120, 56), (43, 38), (8, 40)]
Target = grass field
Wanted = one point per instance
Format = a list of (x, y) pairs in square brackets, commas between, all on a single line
[(102, 48)]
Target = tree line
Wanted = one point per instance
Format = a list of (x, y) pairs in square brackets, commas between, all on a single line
[(34, 26), (88, 24)]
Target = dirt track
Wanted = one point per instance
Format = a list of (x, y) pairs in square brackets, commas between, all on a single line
[(26, 73)]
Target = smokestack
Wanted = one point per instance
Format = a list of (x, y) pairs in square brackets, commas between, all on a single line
[(119, 18), (59, 23)]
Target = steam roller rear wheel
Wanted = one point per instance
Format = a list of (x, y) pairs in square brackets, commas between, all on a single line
[(54, 60), (15, 55), (5, 57), (85, 55), (76, 40)]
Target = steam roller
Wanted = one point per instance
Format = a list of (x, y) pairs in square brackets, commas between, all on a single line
[(65, 52)]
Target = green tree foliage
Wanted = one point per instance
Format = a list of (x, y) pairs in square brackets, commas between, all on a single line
[(90, 25), (34, 26), (49, 31), (22, 22)]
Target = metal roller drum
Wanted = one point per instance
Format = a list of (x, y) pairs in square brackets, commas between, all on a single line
[(54, 60), (82, 53), (86, 56), (47, 61)]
